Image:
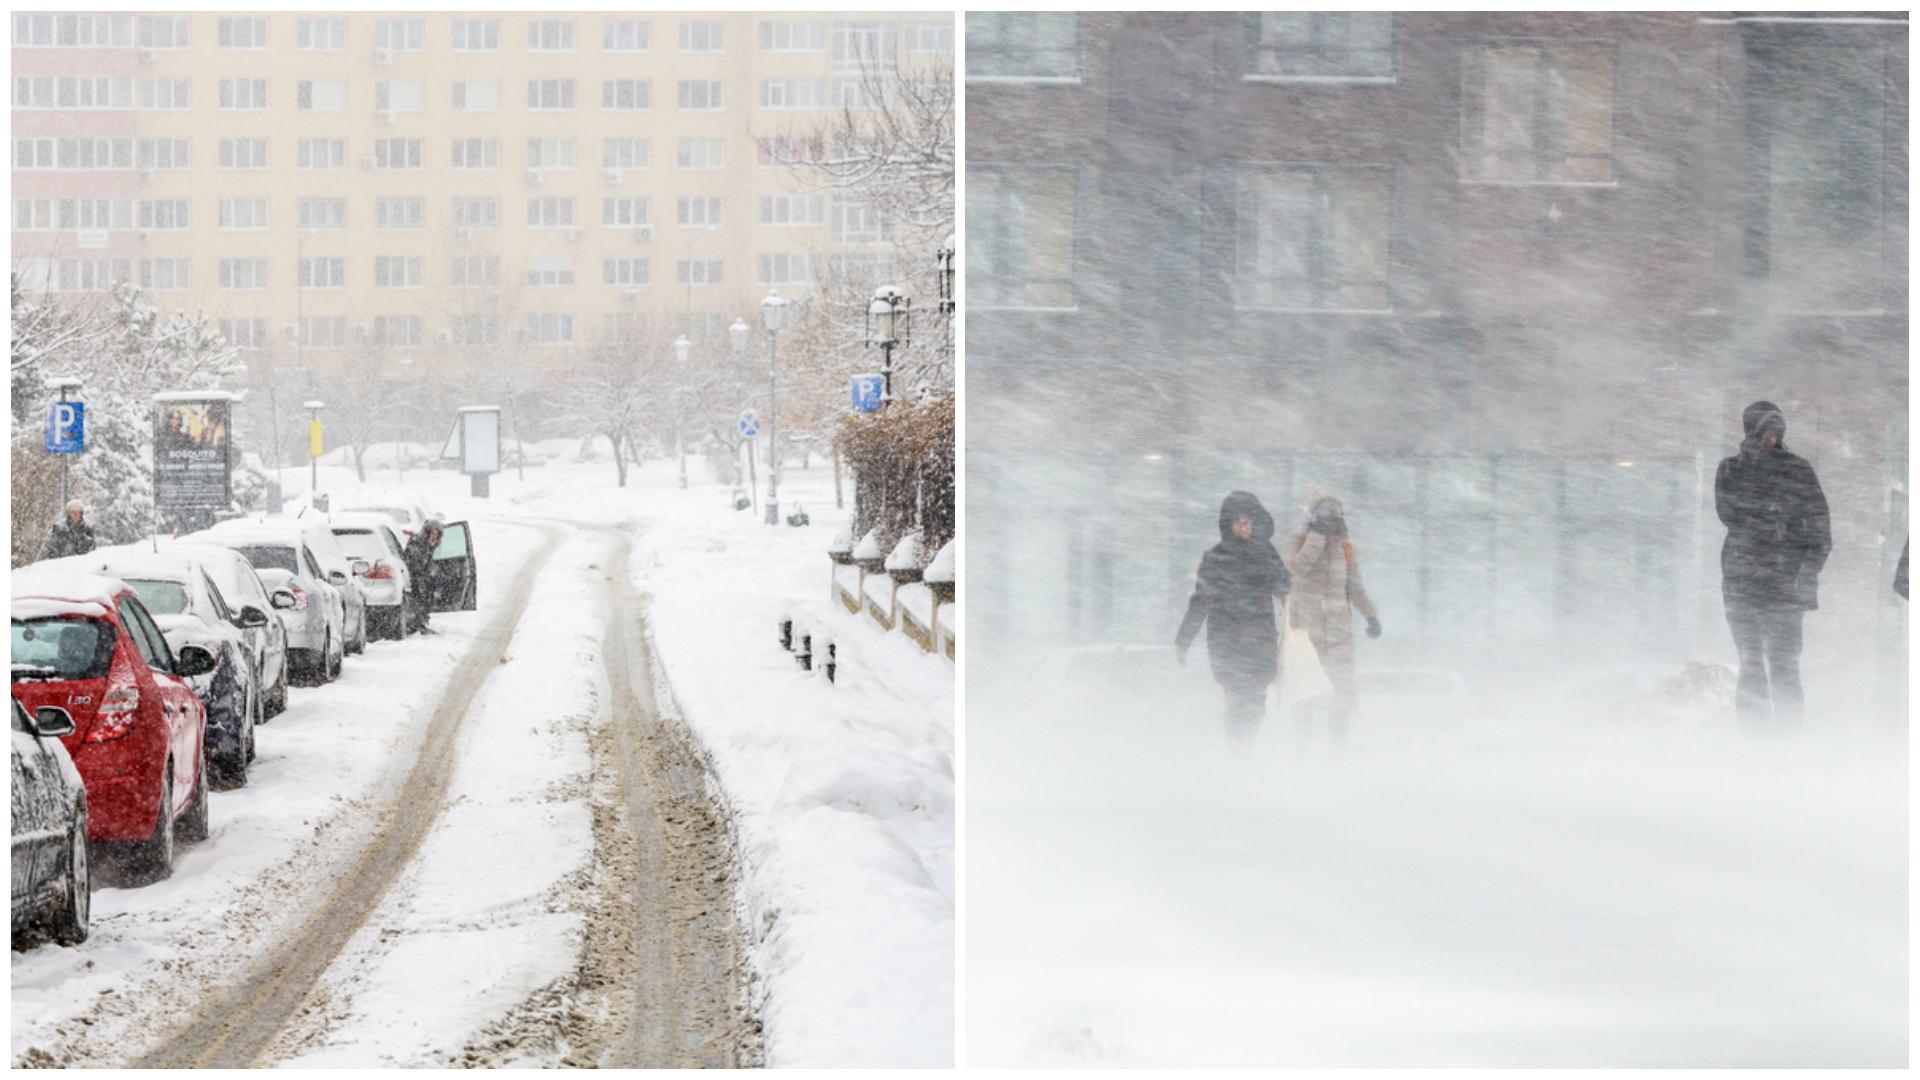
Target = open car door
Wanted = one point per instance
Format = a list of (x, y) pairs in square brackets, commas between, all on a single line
[(453, 577)]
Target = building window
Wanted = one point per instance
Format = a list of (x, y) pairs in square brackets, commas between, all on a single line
[(859, 94), (624, 35), (399, 331), (1825, 113), (793, 209), (549, 93), (84, 214), (476, 153), (623, 211), (1538, 113), (474, 329), (699, 211), (165, 275), (700, 95), (156, 31), (243, 153), (238, 32), (476, 212), (1020, 236), (166, 93), (623, 153), (398, 153), (476, 35), (1023, 45), (323, 272), (928, 37), (550, 271), (243, 93), (793, 93), (779, 151), (400, 35), (397, 271), (92, 275), (793, 35), (72, 92), (626, 270), (476, 95), (1313, 239), (321, 35), (550, 35), (1336, 46), (73, 153), (68, 31), (323, 332), (322, 95), (243, 214), (698, 272), (550, 212), (322, 154), (160, 214), (243, 274), (476, 271), (400, 212), (166, 153), (323, 213), (550, 153), (399, 95), (784, 268), (863, 47), (546, 328), (857, 222), (623, 94), (245, 333), (701, 36), (703, 153)]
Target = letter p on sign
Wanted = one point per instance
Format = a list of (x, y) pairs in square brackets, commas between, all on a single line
[(66, 427)]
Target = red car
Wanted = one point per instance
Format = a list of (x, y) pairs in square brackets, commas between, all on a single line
[(85, 644)]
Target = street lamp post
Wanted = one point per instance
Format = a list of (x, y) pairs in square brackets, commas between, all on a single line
[(66, 385), (773, 312), (889, 324), (681, 346), (313, 459)]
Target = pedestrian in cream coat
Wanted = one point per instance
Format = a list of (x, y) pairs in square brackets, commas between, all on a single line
[(1326, 591)]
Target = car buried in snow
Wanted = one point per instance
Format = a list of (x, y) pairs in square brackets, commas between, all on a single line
[(370, 538), (52, 874), (85, 643), (320, 609), (241, 588)]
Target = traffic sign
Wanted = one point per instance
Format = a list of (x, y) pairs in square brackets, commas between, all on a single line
[(67, 427), (749, 424), (866, 392)]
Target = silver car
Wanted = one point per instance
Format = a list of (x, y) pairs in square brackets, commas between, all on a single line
[(315, 611), (370, 537)]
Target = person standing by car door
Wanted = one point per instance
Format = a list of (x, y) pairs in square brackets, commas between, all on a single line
[(419, 556), (1239, 580), (1778, 538)]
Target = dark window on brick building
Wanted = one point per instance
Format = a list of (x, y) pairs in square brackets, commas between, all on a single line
[(1023, 45), (1321, 45), (1538, 112), (1313, 238)]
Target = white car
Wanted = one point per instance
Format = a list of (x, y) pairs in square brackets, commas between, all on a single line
[(326, 613), (371, 537), (405, 509)]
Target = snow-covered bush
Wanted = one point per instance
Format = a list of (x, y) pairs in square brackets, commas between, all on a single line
[(902, 459)]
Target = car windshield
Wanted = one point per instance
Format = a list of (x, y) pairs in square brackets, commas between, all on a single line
[(271, 558), (62, 647), (161, 597), (360, 543)]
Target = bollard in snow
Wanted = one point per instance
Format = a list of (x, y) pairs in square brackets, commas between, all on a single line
[(786, 634), (832, 663), (805, 652)]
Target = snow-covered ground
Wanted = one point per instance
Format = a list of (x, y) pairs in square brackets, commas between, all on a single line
[(1549, 880)]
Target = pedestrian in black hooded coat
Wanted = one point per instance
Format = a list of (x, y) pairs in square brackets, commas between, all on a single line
[(1239, 580), (1778, 537)]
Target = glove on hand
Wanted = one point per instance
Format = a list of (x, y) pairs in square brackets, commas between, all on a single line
[(1373, 627)]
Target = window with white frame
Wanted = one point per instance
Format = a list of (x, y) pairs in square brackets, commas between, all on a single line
[(247, 215), (623, 153), (1021, 45), (861, 47), (793, 93), (72, 92), (549, 271), (702, 153), (159, 154), (322, 95), (1313, 238), (1321, 45), (322, 332), (793, 35), (928, 37), (34, 215), (323, 213), (320, 35), (780, 151), (628, 270), (623, 210), (399, 331), (165, 275), (323, 272), (476, 153), (548, 328), (476, 35), (476, 271), (73, 153), (243, 93), (550, 212), (322, 154), (476, 95), (243, 275), (166, 93), (624, 94), (400, 35), (245, 333), (31, 215), (400, 95), (624, 35), (163, 214), (552, 152), (698, 272), (1020, 236), (243, 31), (859, 93), (476, 212), (784, 268), (856, 221), (1537, 112), (69, 31), (549, 93), (622, 326), (400, 212), (702, 325), (699, 211), (702, 35), (700, 95), (550, 35), (474, 329), (793, 209), (162, 32), (398, 153), (243, 153), (92, 275), (397, 271)]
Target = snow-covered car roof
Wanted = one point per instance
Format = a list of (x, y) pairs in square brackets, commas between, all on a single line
[(279, 530), (133, 561), (359, 519), (67, 592)]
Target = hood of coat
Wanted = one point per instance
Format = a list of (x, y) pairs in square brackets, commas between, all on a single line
[(1762, 417), (1241, 504)]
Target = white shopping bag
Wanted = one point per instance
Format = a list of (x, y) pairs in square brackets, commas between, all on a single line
[(1301, 676)]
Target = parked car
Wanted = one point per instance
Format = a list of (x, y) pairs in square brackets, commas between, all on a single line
[(86, 644), (240, 586), (405, 509), (370, 537), (454, 579), (190, 610), (52, 879), (318, 614)]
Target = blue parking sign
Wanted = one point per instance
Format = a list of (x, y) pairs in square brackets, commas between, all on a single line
[(866, 392), (66, 427)]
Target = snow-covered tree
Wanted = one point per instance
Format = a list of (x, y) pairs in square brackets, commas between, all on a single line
[(622, 388)]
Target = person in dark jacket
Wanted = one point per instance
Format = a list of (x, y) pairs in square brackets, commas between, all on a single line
[(72, 536), (1778, 537), (1239, 580), (419, 557)]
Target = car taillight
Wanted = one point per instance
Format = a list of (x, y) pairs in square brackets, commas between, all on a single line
[(299, 596), (118, 711), (382, 571)]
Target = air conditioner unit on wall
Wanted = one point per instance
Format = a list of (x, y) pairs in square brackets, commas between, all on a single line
[(643, 232), (614, 176), (533, 176), (574, 234), (463, 234), (146, 56), (384, 117), (631, 296), (382, 57)]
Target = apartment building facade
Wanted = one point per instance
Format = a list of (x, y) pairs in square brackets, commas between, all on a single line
[(1504, 280)]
